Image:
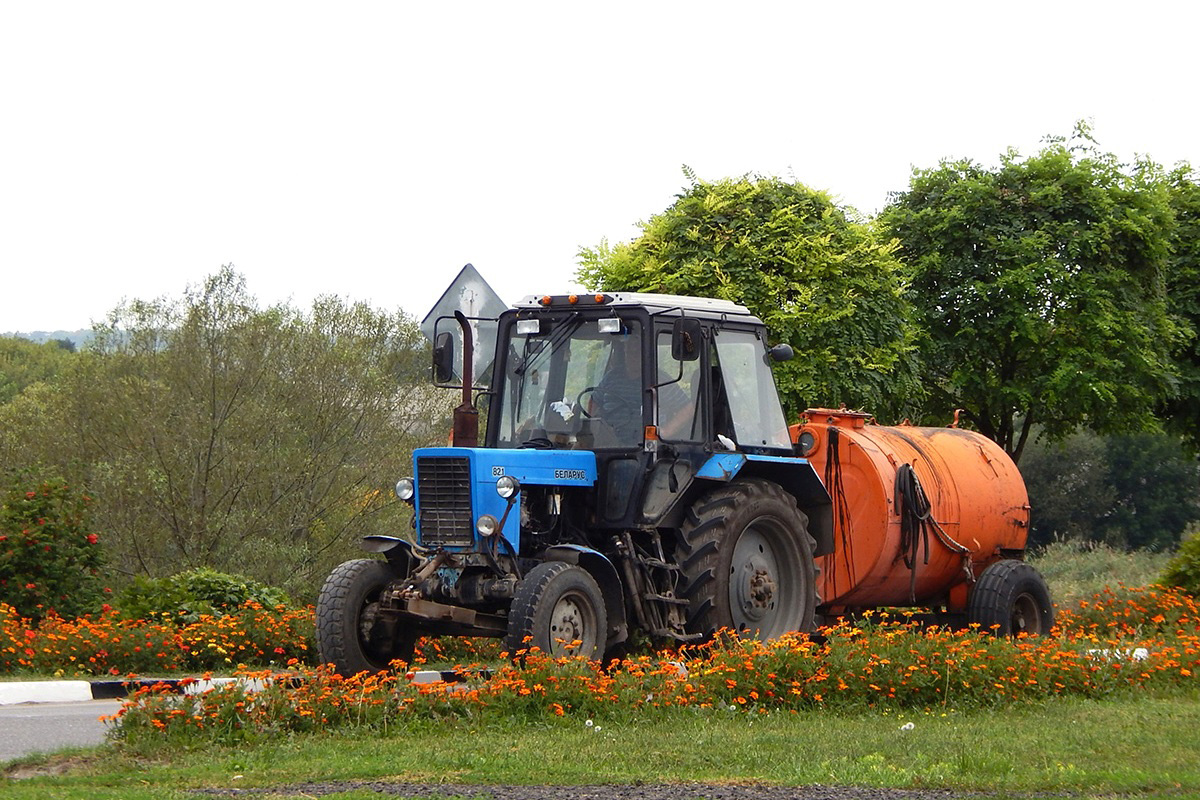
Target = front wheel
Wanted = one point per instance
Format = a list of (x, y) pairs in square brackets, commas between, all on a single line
[(351, 634), (1011, 598), (747, 561), (559, 609)]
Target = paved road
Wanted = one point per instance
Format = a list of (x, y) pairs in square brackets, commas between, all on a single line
[(45, 727)]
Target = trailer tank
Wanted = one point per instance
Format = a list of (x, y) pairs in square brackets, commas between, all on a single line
[(977, 510)]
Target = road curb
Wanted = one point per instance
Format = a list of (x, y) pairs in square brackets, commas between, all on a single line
[(17, 692)]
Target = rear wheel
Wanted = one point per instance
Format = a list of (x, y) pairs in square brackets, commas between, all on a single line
[(1011, 598), (351, 633), (748, 563), (559, 609)]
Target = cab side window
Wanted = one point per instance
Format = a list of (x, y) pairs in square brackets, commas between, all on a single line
[(680, 395)]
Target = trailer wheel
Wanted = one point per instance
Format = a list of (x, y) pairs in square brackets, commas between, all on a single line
[(556, 605), (1011, 598), (350, 633), (747, 560)]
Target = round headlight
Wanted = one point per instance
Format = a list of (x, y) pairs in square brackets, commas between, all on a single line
[(405, 489), (487, 525), (507, 486), (806, 443)]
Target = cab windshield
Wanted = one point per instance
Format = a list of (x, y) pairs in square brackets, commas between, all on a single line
[(573, 385)]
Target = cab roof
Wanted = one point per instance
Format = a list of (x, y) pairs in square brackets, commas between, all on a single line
[(669, 304)]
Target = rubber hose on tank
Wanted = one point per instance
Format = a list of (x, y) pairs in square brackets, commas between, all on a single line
[(914, 522)]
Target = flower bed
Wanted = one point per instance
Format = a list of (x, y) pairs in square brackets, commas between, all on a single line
[(880, 663), (108, 644)]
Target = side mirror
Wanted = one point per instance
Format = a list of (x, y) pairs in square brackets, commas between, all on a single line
[(443, 358), (782, 352), (685, 339)]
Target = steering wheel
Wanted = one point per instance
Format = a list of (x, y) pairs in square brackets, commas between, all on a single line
[(579, 401), (616, 405)]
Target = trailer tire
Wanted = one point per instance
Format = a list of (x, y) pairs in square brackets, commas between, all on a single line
[(747, 561), (556, 604), (350, 634), (1011, 598)]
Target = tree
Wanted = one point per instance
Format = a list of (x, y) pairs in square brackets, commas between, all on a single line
[(215, 433), (820, 279), (1136, 490), (24, 363), (1183, 293), (1040, 285)]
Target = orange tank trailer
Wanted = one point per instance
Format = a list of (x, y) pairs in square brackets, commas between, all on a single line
[(978, 507)]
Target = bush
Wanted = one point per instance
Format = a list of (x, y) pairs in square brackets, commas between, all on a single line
[(49, 559), (1183, 570), (186, 596)]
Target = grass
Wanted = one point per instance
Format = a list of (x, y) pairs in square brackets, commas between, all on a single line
[(1125, 745), (1077, 570)]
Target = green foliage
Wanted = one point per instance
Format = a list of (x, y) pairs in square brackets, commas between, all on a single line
[(1136, 490), (1040, 286), (24, 363), (821, 280), (1183, 294), (188, 595), (216, 433), (49, 556), (1183, 570)]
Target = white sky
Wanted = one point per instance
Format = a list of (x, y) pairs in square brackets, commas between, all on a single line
[(370, 149)]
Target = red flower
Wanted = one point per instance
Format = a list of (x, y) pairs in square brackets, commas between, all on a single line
[(30, 495), (92, 538), (31, 586)]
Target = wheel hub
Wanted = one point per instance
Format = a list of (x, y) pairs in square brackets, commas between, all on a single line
[(1026, 616), (566, 624), (366, 621), (754, 582)]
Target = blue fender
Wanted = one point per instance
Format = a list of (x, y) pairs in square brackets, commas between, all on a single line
[(795, 475)]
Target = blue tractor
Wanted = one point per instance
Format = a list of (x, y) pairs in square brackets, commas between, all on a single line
[(636, 474)]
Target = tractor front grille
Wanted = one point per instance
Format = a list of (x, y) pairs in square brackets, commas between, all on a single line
[(444, 496)]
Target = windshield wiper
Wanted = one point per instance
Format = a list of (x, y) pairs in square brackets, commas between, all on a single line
[(569, 325)]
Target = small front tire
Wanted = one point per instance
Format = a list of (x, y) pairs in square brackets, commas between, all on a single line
[(556, 605), (351, 634)]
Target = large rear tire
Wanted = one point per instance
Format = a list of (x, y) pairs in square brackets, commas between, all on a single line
[(747, 561), (1011, 598), (556, 605), (351, 634)]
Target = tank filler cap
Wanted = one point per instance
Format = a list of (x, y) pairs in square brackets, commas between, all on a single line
[(842, 417)]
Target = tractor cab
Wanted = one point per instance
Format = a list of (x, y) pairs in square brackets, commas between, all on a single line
[(641, 381)]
